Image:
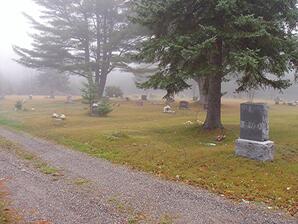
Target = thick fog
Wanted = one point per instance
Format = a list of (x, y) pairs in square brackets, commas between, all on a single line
[(15, 29)]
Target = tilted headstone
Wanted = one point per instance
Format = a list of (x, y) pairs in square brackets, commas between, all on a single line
[(254, 133)]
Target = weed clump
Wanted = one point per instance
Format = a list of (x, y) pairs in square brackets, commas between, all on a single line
[(116, 136)]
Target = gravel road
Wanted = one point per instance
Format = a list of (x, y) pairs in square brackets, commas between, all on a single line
[(115, 193), (38, 197)]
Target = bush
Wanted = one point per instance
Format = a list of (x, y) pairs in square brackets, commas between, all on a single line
[(113, 91), (19, 105), (102, 109), (88, 92)]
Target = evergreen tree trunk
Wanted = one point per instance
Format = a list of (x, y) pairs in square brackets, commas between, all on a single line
[(104, 59), (213, 119), (98, 54), (102, 85)]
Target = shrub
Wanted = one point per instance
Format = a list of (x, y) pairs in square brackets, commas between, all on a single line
[(116, 136), (102, 109), (19, 105), (113, 91), (88, 92)]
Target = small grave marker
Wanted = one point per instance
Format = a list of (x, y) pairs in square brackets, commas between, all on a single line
[(69, 100), (168, 110), (94, 108), (144, 97), (183, 105), (277, 101)]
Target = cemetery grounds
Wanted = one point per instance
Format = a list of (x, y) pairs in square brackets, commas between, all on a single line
[(170, 147)]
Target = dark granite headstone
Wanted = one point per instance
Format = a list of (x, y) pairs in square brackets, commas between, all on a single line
[(184, 105), (254, 123)]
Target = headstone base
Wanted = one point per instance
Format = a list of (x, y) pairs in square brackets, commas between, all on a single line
[(262, 151)]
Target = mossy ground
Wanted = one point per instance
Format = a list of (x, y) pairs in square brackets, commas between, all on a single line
[(148, 140)]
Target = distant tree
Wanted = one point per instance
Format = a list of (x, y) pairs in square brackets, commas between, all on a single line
[(252, 41), (80, 37), (52, 82), (114, 91)]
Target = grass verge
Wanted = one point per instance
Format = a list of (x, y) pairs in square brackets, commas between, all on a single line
[(146, 139), (7, 215), (35, 161)]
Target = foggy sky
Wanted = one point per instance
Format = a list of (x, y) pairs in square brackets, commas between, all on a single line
[(14, 31)]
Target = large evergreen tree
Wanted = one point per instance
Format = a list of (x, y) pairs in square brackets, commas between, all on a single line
[(250, 40), (80, 37)]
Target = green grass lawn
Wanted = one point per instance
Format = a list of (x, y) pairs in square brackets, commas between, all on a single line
[(146, 139)]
